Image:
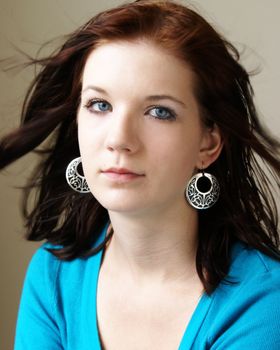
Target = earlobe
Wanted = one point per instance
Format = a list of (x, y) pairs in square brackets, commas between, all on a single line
[(211, 147)]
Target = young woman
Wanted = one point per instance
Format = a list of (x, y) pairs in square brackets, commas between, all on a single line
[(160, 225)]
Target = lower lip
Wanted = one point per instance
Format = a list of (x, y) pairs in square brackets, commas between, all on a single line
[(121, 177)]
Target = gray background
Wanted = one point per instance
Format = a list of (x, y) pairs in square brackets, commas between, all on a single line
[(27, 24)]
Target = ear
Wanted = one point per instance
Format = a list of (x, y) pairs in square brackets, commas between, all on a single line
[(211, 147)]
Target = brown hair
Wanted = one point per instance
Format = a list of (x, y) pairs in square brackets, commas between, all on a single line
[(246, 209)]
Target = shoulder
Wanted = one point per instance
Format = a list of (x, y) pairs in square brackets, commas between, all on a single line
[(252, 275), (45, 261), (257, 282), (253, 272), (248, 263), (245, 312), (51, 298), (42, 271), (45, 270)]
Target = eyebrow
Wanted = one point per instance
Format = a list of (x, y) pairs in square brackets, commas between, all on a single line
[(165, 97), (148, 98), (96, 88)]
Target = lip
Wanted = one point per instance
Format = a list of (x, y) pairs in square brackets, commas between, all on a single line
[(121, 171), (121, 175)]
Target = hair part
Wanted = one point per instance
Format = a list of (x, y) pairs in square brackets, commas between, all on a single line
[(246, 210)]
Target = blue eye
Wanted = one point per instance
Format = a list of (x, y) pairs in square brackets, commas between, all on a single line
[(162, 113), (102, 106), (98, 106)]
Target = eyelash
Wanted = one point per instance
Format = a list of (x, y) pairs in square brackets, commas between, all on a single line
[(90, 103), (171, 113)]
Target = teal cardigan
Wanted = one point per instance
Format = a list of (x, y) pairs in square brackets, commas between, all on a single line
[(58, 305)]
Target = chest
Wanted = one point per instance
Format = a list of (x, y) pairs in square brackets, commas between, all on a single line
[(144, 319)]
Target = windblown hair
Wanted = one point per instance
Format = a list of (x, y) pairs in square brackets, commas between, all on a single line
[(246, 210)]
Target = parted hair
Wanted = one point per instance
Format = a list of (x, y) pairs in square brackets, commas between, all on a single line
[(246, 168)]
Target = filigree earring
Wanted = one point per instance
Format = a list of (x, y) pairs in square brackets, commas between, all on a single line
[(75, 180), (203, 190)]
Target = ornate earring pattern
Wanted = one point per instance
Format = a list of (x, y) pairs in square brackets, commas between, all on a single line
[(76, 181), (203, 191)]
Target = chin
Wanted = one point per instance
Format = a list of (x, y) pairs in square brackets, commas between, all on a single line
[(121, 204), (111, 196), (121, 207)]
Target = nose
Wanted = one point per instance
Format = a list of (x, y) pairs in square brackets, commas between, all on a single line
[(123, 132)]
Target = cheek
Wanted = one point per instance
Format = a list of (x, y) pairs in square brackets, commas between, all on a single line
[(88, 145), (88, 135), (178, 151), (173, 167)]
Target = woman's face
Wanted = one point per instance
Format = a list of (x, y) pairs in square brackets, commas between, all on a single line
[(138, 112)]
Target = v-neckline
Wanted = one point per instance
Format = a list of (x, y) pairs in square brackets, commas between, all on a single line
[(195, 322), (192, 327)]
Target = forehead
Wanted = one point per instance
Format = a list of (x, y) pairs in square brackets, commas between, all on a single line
[(138, 62)]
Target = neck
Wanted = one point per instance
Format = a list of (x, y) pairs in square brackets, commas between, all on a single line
[(155, 248)]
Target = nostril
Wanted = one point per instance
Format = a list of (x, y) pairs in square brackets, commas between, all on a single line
[(119, 147)]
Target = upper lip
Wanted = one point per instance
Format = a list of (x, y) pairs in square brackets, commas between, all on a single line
[(121, 171)]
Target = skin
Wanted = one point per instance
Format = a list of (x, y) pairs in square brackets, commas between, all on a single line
[(148, 285)]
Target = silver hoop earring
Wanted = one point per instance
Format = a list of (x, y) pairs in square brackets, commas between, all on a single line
[(203, 191), (76, 181)]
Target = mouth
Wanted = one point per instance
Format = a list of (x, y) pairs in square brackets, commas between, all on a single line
[(121, 174), (121, 171)]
